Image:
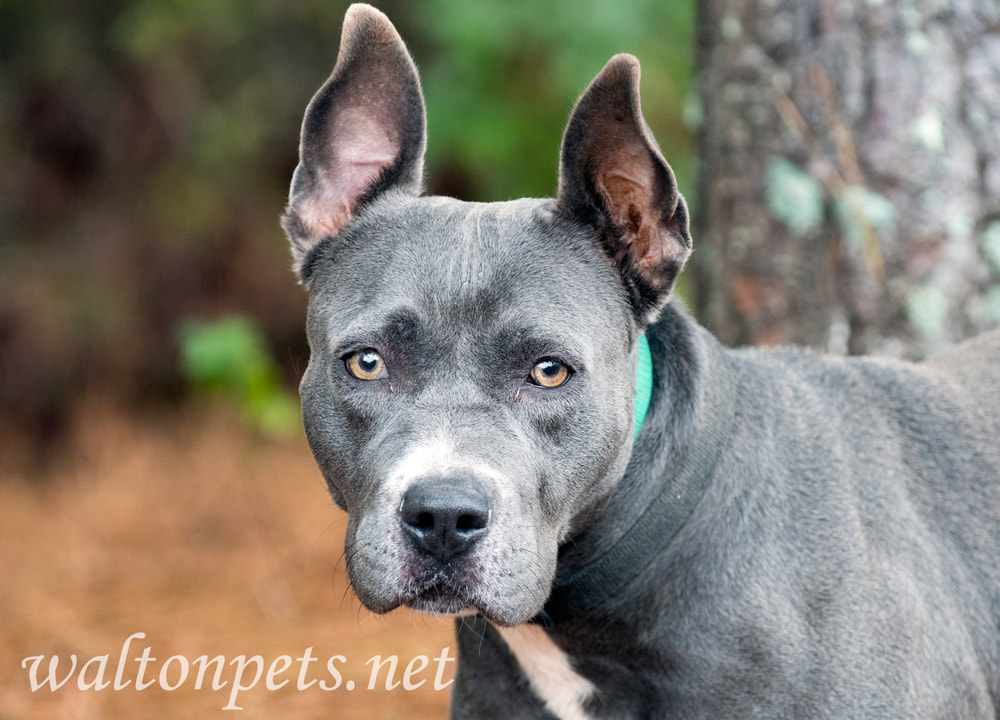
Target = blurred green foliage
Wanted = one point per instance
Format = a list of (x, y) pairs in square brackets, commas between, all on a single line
[(146, 148), (229, 356), (501, 77)]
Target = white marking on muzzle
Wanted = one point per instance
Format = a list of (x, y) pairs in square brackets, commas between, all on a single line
[(548, 669), (438, 457), (421, 460)]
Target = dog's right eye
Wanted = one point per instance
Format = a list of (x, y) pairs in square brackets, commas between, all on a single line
[(366, 365), (549, 373)]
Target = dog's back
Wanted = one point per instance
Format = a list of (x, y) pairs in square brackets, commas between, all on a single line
[(878, 482), (972, 369)]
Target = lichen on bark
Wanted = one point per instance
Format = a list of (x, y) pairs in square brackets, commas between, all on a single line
[(892, 108)]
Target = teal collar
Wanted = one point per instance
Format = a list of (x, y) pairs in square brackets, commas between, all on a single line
[(643, 383)]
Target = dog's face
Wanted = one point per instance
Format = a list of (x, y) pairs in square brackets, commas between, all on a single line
[(469, 392), (445, 355)]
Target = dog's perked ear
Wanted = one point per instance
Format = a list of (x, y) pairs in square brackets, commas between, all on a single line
[(364, 132), (613, 177)]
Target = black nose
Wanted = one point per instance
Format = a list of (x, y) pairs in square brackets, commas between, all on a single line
[(445, 519)]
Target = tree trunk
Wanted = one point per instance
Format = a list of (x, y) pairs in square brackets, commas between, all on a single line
[(849, 188)]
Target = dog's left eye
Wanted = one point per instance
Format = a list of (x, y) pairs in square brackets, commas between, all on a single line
[(366, 365), (549, 373)]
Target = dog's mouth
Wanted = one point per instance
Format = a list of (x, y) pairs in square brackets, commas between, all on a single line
[(445, 593), (443, 597)]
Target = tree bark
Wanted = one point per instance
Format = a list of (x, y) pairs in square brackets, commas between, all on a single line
[(849, 186)]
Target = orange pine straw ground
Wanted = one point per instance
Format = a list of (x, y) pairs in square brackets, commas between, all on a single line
[(210, 540)]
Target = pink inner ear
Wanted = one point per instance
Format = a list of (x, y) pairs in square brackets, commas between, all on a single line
[(362, 148), (628, 190)]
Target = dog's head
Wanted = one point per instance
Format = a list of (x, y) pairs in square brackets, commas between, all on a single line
[(469, 393)]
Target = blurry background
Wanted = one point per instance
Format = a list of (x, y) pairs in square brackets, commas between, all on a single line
[(153, 473)]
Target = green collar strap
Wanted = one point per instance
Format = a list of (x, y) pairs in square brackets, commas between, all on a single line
[(643, 383)]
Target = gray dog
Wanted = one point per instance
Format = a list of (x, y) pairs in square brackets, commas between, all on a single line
[(628, 519)]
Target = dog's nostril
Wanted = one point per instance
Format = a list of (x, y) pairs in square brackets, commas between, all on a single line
[(424, 520), (471, 522)]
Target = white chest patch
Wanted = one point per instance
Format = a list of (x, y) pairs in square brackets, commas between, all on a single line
[(548, 669)]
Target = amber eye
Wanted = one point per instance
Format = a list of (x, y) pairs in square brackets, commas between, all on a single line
[(549, 373), (366, 365)]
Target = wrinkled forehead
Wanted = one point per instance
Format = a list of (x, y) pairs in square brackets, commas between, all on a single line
[(463, 266)]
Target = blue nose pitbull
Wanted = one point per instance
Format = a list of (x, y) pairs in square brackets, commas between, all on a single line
[(629, 520)]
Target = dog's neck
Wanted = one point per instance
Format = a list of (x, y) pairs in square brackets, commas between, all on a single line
[(674, 456)]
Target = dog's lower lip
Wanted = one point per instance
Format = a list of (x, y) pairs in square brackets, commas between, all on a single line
[(442, 599)]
